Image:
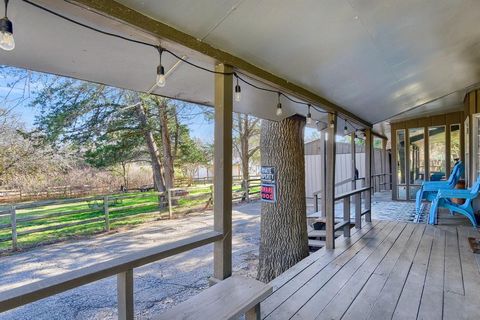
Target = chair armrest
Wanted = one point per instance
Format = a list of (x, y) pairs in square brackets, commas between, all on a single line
[(436, 187), (434, 183), (455, 193)]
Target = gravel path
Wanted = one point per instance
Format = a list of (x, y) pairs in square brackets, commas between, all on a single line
[(157, 286)]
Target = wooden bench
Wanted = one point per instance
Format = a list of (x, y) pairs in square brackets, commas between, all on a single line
[(228, 299)]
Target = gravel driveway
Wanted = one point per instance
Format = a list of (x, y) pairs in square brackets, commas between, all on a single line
[(157, 286)]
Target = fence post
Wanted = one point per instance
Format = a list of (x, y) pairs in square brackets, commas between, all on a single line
[(105, 211), (13, 218), (169, 195)]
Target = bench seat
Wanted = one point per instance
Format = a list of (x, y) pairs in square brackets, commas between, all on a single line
[(228, 299)]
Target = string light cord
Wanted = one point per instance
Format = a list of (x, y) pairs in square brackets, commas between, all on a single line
[(236, 74)]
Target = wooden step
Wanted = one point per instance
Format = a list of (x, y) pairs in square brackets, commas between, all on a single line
[(316, 243), (339, 223), (322, 233)]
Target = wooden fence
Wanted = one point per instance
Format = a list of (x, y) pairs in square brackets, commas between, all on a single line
[(22, 219)]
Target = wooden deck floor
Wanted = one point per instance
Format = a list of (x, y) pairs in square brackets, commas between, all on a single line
[(386, 270)]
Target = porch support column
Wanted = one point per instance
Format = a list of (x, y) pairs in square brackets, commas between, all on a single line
[(330, 181), (368, 173), (354, 159), (322, 172), (385, 175), (222, 207)]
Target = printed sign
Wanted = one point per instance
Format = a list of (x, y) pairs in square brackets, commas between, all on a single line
[(267, 175), (268, 188), (268, 193)]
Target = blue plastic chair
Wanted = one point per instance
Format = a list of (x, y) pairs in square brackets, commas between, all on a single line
[(429, 189), (443, 200)]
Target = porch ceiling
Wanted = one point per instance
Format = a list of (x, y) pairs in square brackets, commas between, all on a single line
[(374, 58)]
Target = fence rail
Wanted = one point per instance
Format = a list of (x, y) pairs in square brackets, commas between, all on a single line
[(101, 213)]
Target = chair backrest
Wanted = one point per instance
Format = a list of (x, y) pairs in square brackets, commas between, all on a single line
[(474, 190), (476, 186), (456, 174)]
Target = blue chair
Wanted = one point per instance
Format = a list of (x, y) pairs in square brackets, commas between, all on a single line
[(443, 200), (429, 189)]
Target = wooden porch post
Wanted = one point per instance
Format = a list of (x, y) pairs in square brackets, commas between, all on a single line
[(330, 181), (354, 159), (384, 164), (322, 172), (222, 204), (368, 174)]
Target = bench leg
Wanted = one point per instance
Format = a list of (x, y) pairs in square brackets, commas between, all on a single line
[(254, 313)]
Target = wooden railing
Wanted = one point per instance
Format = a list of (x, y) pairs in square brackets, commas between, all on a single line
[(357, 199), (381, 182), (122, 267), (317, 194)]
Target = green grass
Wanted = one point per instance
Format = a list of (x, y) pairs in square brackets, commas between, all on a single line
[(148, 209)]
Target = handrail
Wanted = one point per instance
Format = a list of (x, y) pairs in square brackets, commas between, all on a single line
[(25, 294), (339, 184), (351, 193)]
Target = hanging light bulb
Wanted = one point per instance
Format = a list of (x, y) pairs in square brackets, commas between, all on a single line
[(6, 32), (309, 116), (279, 106), (238, 92), (345, 130), (161, 80)]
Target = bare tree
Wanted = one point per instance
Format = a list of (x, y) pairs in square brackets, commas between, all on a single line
[(246, 143)]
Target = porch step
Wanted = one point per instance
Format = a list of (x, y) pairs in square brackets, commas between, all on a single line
[(339, 223), (322, 233), (316, 243)]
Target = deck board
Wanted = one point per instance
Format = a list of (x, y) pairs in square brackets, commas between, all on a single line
[(387, 270), (290, 306)]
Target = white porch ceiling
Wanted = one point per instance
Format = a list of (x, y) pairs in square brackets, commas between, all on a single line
[(375, 58)]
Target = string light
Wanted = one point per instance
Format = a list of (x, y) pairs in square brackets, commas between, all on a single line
[(161, 80), (309, 116), (7, 42), (332, 124), (345, 130), (279, 106), (238, 92), (6, 29)]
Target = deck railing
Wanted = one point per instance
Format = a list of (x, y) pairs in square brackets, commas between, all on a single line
[(123, 267), (381, 182)]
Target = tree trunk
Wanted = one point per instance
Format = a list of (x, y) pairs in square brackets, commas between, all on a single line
[(283, 233), (153, 150), (167, 146)]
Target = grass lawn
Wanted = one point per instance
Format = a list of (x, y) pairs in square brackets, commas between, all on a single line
[(136, 208)]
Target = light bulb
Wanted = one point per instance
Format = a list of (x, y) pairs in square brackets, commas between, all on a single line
[(345, 130), (238, 92), (309, 118), (161, 80), (6, 34), (279, 109)]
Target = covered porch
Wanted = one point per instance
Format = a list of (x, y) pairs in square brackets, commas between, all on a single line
[(366, 268), (386, 270)]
